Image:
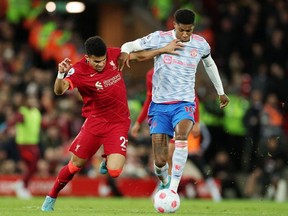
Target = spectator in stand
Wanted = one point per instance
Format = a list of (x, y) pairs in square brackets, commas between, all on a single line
[(223, 169), (269, 172), (271, 119), (252, 121), (28, 127)]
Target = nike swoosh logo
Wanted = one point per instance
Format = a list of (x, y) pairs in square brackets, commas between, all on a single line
[(91, 75)]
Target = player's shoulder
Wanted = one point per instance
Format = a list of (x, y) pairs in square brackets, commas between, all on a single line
[(80, 64), (165, 33), (113, 52), (198, 38)]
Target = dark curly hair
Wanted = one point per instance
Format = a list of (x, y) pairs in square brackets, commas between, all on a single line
[(95, 46), (184, 16)]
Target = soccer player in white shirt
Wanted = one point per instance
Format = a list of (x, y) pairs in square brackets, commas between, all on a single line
[(173, 91)]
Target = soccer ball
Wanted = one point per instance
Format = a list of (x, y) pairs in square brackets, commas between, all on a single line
[(166, 201)]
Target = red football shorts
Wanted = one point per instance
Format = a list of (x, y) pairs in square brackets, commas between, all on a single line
[(113, 137)]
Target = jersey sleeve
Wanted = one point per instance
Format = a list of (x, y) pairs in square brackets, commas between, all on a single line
[(206, 49), (150, 41), (72, 78)]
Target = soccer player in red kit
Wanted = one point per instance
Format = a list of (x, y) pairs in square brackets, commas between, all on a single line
[(101, 85)]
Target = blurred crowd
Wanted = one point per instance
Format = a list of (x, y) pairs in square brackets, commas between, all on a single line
[(249, 41)]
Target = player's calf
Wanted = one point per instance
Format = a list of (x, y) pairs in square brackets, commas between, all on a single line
[(114, 173)]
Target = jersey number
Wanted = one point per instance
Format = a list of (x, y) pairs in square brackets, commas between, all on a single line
[(123, 144), (189, 109)]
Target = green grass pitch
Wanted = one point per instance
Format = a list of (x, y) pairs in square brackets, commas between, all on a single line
[(86, 206)]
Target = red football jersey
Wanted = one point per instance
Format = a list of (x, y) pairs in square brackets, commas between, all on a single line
[(104, 93)]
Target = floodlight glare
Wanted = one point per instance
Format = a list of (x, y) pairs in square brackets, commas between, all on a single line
[(75, 7), (50, 6)]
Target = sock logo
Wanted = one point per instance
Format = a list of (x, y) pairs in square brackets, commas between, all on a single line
[(177, 167)]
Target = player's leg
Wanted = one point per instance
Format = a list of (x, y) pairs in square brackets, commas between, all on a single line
[(115, 147), (115, 164), (83, 147), (103, 167), (161, 130), (64, 176), (183, 121), (160, 153), (180, 154), (30, 155), (170, 154)]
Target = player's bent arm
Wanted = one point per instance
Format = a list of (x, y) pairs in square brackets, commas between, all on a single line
[(149, 54), (61, 86), (131, 46), (214, 76), (126, 48), (212, 71)]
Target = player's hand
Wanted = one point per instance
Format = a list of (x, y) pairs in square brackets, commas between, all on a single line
[(122, 60), (135, 129), (173, 46), (64, 66), (224, 100)]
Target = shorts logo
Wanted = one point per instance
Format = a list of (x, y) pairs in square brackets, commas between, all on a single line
[(177, 167), (77, 147)]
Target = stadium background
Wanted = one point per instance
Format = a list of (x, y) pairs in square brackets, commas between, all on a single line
[(249, 44)]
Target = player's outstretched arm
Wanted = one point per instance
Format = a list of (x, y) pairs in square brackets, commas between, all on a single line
[(214, 76), (144, 55), (126, 49), (61, 85)]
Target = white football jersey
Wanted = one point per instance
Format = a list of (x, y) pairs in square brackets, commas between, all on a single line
[(174, 76)]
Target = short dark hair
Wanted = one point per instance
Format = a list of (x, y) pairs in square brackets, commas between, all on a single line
[(95, 46), (184, 16)]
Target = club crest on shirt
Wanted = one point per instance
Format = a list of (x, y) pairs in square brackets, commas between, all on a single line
[(194, 52), (113, 65)]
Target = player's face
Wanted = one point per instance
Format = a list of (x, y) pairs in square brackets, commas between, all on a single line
[(183, 31), (97, 62)]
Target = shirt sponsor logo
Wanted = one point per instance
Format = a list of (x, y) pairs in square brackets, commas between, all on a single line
[(112, 80), (167, 59)]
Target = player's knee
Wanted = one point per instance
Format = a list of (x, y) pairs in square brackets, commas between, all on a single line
[(114, 173), (72, 168)]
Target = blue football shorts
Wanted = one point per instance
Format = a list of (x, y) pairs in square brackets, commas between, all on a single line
[(163, 118)]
